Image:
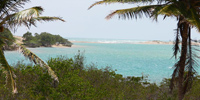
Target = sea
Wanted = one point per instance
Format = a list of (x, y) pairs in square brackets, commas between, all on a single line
[(124, 56)]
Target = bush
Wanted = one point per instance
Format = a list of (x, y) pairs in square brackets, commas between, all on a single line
[(78, 81)]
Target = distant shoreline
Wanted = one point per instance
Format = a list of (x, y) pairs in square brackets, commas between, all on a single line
[(61, 46), (145, 42), (19, 40)]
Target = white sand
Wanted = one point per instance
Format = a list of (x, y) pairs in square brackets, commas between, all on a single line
[(18, 39)]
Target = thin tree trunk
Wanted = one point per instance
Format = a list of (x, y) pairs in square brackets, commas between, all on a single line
[(184, 35)]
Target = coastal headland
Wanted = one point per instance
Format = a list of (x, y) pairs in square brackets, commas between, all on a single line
[(19, 40)]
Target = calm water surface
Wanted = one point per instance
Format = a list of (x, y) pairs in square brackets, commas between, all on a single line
[(128, 59)]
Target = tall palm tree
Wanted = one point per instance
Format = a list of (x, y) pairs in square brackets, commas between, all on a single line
[(187, 13), (11, 17)]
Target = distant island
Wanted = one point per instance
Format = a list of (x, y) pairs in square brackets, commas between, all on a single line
[(43, 39)]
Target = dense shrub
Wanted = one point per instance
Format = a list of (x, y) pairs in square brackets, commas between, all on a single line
[(44, 39), (78, 81)]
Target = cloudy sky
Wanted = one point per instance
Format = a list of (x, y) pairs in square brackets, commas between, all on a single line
[(84, 23)]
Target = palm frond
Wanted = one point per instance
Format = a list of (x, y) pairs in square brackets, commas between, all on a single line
[(27, 18), (193, 18), (8, 6), (19, 17), (120, 1), (174, 75), (4, 64), (32, 57), (169, 10), (10, 17), (134, 12), (176, 48), (47, 18), (190, 71), (189, 77)]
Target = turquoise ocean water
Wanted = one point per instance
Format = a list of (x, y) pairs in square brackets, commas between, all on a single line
[(122, 55)]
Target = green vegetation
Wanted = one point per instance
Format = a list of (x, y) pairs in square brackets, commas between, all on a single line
[(8, 38), (44, 39), (187, 14), (11, 17), (78, 81), (8, 35)]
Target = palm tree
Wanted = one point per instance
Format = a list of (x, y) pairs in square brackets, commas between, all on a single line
[(187, 13), (11, 17)]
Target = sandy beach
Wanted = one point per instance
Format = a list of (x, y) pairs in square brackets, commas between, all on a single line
[(61, 46), (155, 42), (82, 42), (162, 42), (18, 39)]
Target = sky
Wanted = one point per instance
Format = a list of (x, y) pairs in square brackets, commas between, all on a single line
[(84, 23)]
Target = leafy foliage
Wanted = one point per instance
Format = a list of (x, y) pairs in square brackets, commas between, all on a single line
[(8, 35), (188, 15), (44, 39), (80, 81), (11, 17), (8, 71), (32, 57), (77, 81), (30, 41)]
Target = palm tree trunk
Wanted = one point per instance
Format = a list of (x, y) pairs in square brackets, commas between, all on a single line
[(184, 35)]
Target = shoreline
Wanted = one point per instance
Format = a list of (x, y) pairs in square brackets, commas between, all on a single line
[(156, 42), (19, 40), (61, 46)]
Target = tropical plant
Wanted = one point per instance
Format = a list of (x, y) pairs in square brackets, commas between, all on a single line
[(30, 41), (27, 36), (11, 17), (187, 13), (7, 34), (27, 53), (44, 39)]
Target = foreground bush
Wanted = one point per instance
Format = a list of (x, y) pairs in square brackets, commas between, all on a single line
[(78, 81)]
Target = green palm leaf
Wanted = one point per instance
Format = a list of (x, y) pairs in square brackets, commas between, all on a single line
[(120, 1), (27, 18), (21, 16), (134, 12), (4, 64), (47, 18), (11, 18), (32, 57), (193, 18), (166, 10), (8, 6)]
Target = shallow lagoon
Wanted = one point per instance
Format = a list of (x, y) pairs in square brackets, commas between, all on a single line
[(126, 58)]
